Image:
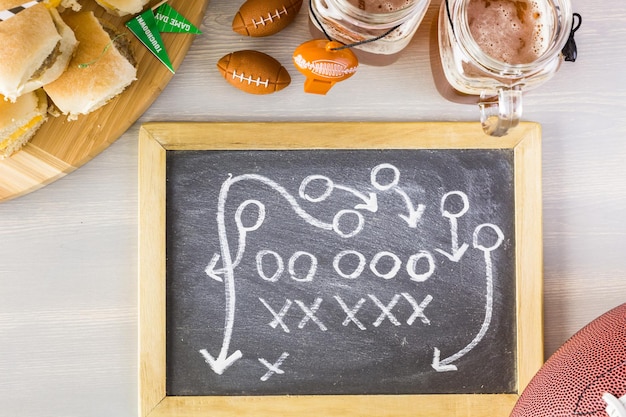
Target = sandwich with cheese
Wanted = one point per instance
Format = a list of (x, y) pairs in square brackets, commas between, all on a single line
[(101, 68), (20, 120), (123, 7), (35, 48)]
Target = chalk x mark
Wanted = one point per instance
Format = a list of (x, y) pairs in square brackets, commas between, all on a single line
[(278, 317), (273, 368), (351, 312), (309, 314), (418, 309)]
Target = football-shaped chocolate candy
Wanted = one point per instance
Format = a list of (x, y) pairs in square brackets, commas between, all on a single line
[(253, 72), (574, 380), (265, 17)]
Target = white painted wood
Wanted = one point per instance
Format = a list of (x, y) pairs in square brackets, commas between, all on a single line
[(68, 270)]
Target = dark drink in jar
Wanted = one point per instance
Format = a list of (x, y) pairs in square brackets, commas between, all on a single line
[(379, 30)]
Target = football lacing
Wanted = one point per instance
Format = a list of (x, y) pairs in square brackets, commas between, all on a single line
[(270, 17), (243, 78)]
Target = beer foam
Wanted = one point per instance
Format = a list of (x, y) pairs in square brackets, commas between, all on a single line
[(510, 31), (381, 6)]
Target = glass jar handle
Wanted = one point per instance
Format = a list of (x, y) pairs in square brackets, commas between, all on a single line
[(497, 117)]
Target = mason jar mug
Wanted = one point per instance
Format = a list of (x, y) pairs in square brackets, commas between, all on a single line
[(497, 49), (377, 30)]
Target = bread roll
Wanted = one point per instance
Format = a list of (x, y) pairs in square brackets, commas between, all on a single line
[(35, 48), (123, 7), (99, 70), (20, 120)]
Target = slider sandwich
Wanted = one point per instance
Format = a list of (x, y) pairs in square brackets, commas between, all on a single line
[(35, 48), (101, 68), (20, 120), (123, 7)]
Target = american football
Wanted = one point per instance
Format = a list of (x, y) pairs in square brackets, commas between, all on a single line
[(254, 72), (589, 366), (265, 17)]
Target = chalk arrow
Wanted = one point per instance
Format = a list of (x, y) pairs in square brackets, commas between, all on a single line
[(211, 271), (457, 253), (414, 212), (442, 366), (219, 364), (370, 201), (415, 215), (242, 230), (445, 365), (224, 360), (226, 274)]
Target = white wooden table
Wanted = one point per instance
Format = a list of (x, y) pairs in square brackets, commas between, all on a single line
[(68, 269)]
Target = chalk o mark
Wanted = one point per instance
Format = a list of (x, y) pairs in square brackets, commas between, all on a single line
[(391, 184), (357, 271), (397, 263), (312, 268), (499, 240), (323, 196), (350, 233), (411, 266), (280, 266), (464, 200), (259, 220)]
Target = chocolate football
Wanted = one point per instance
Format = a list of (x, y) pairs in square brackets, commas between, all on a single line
[(265, 17), (253, 72)]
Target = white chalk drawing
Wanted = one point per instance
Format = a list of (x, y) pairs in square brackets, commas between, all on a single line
[(418, 309), (357, 271), (309, 314), (385, 312), (278, 317), (414, 213), (351, 312), (457, 252), (411, 266), (290, 316), (223, 360), (369, 201), (273, 368), (445, 365)]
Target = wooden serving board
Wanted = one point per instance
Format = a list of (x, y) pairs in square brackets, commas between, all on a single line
[(60, 147)]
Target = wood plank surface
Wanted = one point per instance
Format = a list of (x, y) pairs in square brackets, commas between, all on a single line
[(61, 146), (68, 279)]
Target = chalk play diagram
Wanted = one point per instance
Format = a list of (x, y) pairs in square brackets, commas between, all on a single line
[(345, 270)]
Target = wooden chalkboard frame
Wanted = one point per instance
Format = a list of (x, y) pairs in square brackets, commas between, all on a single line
[(155, 139)]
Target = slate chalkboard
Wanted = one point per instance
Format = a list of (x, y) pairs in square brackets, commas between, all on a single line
[(340, 272)]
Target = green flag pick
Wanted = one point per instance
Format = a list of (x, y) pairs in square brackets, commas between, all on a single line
[(147, 27), (169, 20)]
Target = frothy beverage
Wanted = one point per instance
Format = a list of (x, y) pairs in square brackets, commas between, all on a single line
[(381, 6), (380, 28), (491, 52), (507, 30)]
